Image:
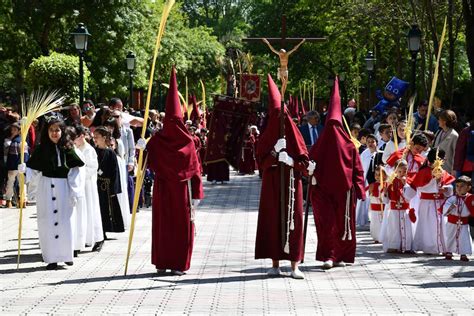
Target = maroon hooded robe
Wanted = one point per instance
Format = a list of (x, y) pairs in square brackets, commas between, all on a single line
[(172, 156), (269, 243), (340, 180)]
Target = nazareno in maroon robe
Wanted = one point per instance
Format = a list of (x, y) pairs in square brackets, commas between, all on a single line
[(340, 180), (172, 156), (268, 243), (247, 164)]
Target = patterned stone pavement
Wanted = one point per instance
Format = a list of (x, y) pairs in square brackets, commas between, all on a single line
[(224, 278)]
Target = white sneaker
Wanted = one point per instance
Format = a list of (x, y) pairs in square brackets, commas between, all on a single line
[(274, 272), (177, 272), (328, 264), (297, 274), (341, 264)]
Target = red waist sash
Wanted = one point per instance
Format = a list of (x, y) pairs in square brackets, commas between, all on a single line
[(431, 196), (453, 219), (399, 206), (377, 207)]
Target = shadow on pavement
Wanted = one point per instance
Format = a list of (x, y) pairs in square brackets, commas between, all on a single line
[(105, 279), (464, 274), (24, 258), (23, 249), (29, 270), (432, 285)]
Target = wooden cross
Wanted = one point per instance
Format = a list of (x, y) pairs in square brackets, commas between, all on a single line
[(283, 70), (283, 39)]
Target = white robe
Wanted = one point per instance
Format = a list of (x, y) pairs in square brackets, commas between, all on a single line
[(123, 197), (397, 232), (94, 231), (429, 232), (55, 216), (456, 237), (80, 214), (362, 207), (376, 218)]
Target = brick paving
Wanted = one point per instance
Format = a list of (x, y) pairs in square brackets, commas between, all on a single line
[(224, 277)]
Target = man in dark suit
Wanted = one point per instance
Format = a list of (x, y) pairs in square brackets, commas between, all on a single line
[(312, 129)]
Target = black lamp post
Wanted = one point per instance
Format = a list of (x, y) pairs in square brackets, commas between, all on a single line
[(80, 40), (414, 44), (131, 58), (370, 66)]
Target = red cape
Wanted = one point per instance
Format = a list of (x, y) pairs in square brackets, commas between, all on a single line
[(335, 155), (424, 176), (172, 154)]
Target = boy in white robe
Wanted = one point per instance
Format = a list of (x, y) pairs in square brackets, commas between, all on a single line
[(456, 210), (433, 188)]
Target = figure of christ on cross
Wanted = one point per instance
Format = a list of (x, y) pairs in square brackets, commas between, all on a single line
[(283, 55)]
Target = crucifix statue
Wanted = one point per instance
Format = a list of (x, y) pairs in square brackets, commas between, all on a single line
[(283, 54)]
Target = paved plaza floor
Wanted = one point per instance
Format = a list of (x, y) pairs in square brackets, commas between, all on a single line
[(224, 277)]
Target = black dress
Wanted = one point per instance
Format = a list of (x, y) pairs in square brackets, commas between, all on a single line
[(108, 184)]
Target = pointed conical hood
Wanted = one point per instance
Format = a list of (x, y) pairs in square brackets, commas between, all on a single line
[(296, 147), (297, 108), (337, 158), (334, 112), (171, 151), (274, 97), (195, 115), (173, 106)]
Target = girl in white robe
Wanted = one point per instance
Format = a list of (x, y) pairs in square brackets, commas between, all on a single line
[(93, 234), (396, 232), (56, 164), (80, 214)]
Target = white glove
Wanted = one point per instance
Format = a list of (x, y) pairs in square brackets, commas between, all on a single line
[(72, 201), (141, 144), (196, 203), (22, 168), (311, 167), (283, 157), (280, 145)]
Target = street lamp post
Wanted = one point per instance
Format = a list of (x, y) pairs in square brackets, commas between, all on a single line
[(370, 66), (414, 44), (131, 58), (80, 35)]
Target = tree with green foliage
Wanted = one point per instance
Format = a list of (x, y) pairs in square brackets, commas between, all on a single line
[(32, 29), (57, 71)]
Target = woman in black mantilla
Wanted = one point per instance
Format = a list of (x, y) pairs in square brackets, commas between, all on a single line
[(56, 164), (108, 182)]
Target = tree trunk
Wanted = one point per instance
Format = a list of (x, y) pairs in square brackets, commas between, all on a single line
[(468, 10)]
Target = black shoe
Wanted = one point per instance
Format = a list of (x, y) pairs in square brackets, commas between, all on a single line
[(98, 246), (52, 266), (76, 252), (70, 263)]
